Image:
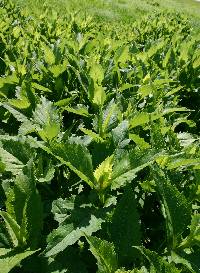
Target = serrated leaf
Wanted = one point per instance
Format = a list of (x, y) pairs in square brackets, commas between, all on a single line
[(139, 141), (9, 259), (17, 114), (66, 235), (126, 167), (157, 262), (24, 205), (92, 134), (105, 254), (96, 94), (103, 173), (187, 263), (48, 55), (22, 103), (76, 157), (125, 227), (82, 111), (13, 228), (10, 162), (46, 120), (110, 117), (176, 206), (14, 153), (99, 95), (62, 207), (120, 134), (68, 261), (40, 87), (194, 237), (196, 63), (142, 118), (96, 73), (183, 163), (57, 70)]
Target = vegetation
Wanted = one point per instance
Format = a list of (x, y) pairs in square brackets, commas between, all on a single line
[(99, 143), (118, 10)]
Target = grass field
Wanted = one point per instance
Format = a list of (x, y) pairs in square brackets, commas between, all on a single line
[(114, 11), (125, 10)]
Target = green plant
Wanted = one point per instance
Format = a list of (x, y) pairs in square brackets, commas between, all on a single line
[(99, 144)]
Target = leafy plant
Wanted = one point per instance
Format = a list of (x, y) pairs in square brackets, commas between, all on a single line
[(99, 143)]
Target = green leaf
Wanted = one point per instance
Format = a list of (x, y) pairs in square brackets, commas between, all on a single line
[(97, 94), (40, 87), (120, 134), (48, 54), (10, 162), (177, 209), (67, 234), (125, 86), (46, 120), (76, 157), (22, 103), (92, 134), (15, 153), (67, 261), (96, 73), (139, 141), (125, 227), (13, 228), (105, 254), (159, 264), (81, 111), (129, 163), (187, 263), (17, 114), (142, 118), (9, 259), (24, 206), (57, 70), (61, 208), (103, 173), (194, 237), (183, 163), (196, 63), (109, 118)]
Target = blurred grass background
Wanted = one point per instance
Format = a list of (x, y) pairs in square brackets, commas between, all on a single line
[(118, 10)]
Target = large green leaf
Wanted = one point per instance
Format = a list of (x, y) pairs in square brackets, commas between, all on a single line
[(103, 174), (142, 118), (97, 93), (24, 205), (68, 234), (129, 163), (46, 120), (194, 237), (105, 254), (15, 152), (13, 229), (177, 209), (125, 227), (76, 157), (158, 264), (9, 259), (66, 261)]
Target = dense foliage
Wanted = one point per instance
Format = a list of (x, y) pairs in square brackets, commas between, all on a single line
[(99, 144)]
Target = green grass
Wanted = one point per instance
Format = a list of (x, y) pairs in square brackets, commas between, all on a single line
[(124, 10), (119, 11)]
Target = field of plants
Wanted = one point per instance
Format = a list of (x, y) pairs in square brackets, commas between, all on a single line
[(99, 143)]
